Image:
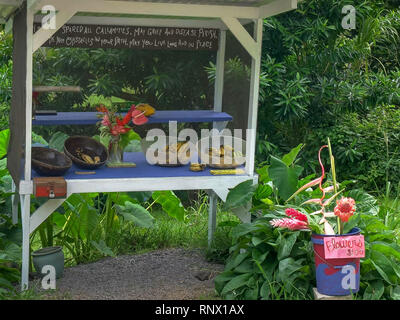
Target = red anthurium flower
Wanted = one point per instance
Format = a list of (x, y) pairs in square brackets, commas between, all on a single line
[(117, 130), (345, 208), (138, 117), (291, 224), (296, 214)]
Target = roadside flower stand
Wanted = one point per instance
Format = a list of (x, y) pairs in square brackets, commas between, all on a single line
[(222, 16)]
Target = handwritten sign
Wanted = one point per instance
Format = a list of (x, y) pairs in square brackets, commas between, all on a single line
[(344, 247), (128, 37)]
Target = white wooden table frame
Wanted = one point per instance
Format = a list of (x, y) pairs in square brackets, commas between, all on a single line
[(223, 17)]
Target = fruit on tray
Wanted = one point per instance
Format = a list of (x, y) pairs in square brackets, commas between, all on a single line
[(227, 171), (146, 108), (224, 151), (88, 159), (196, 167)]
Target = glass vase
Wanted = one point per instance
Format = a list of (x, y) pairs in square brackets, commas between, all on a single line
[(115, 150)]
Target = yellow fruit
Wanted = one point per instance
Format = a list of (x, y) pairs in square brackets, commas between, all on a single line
[(146, 108)]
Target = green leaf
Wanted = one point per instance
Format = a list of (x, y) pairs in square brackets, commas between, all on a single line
[(289, 158), (38, 139), (284, 178), (243, 229), (57, 141), (286, 245), (265, 290), (365, 203), (4, 139), (287, 267), (234, 262), (137, 214), (247, 266), (374, 290), (395, 294), (170, 203), (390, 249), (240, 195), (221, 279), (236, 283), (384, 266), (103, 248)]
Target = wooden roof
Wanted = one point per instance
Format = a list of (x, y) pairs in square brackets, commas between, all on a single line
[(252, 9)]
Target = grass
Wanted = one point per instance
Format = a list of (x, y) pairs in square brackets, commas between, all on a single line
[(193, 233)]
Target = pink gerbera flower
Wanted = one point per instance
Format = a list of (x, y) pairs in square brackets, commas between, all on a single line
[(345, 208)]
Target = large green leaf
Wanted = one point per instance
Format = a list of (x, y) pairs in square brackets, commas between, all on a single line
[(103, 248), (4, 139), (236, 283), (286, 245), (365, 203), (170, 203), (233, 263), (137, 214), (57, 141), (240, 195), (289, 158), (284, 178), (374, 290)]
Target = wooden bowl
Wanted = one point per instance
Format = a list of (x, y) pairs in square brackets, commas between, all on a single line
[(89, 146), (50, 162)]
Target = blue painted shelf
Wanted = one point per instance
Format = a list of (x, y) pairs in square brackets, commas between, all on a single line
[(90, 118)]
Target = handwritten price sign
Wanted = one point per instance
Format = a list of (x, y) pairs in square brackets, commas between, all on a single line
[(344, 247)]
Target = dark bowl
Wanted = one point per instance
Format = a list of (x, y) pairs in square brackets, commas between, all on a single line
[(50, 162), (89, 146)]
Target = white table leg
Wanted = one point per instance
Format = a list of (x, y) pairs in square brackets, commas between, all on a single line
[(212, 216), (14, 203), (25, 214)]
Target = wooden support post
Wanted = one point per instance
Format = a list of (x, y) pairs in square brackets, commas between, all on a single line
[(253, 103)]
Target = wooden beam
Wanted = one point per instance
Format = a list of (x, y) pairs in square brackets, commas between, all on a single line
[(242, 35), (277, 7), (168, 9), (65, 12), (146, 22), (56, 89)]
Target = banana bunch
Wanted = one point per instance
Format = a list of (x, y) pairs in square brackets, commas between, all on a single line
[(86, 158), (196, 167)]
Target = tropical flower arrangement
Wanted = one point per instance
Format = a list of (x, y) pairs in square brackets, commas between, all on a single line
[(344, 209), (116, 130)]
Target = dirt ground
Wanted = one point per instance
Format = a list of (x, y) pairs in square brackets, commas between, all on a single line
[(171, 274)]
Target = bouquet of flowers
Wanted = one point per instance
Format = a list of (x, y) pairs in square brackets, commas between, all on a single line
[(344, 209), (116, 130)]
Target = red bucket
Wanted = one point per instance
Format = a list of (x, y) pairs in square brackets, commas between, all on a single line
[(335, 277)]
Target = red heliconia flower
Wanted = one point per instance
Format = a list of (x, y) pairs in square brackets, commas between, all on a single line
[(290, 212), (138, 117), (125, 120), (117, 130), (291, 224), (345, 208)]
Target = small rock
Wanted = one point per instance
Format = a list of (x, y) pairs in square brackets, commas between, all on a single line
[(203, 275)]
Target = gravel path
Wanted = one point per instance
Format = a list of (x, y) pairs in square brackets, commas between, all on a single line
[(158, 275)]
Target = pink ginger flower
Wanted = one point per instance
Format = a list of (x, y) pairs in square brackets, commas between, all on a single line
[(106, 121), (291, 224), (345, 208), (290, 212)]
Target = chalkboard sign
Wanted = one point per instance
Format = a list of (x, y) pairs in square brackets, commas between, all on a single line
[(128, 37)]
